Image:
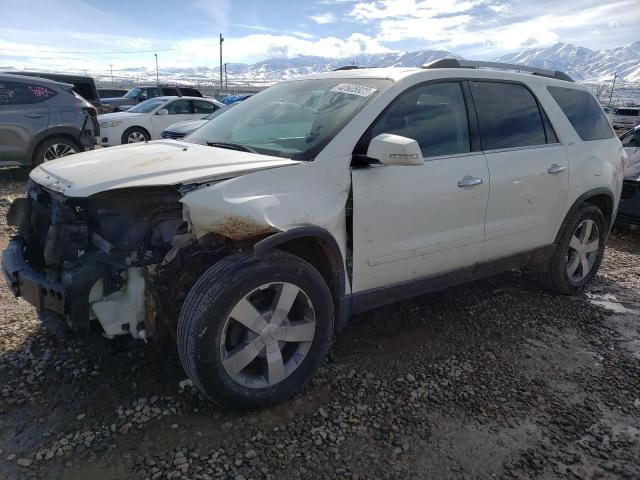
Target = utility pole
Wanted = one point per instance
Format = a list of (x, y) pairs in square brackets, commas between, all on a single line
[(111, 65), (615, 75), (157, 78), (221, 40), (226, 80)]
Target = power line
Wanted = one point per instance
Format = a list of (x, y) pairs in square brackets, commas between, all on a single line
[(86, 51)]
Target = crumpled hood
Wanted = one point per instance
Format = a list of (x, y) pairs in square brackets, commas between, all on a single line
[(163, 162), (186, 127)]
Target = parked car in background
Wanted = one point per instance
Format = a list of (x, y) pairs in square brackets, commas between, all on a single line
[(148, 119), (112, 92), (264, 231), (143, 93), (83, 85), (180, 130), (609, 112), (41, 120), (631, 144), (229, 99), (626, 117)]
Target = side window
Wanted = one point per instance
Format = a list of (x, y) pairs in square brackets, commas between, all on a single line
[(204, 108), (583, 112), (178, 107), (434, 115), (508, 114), (14, 93), (150, 92), (169, 91), (190, 92)]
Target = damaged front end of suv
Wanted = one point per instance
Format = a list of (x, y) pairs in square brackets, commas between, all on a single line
[(83, 259)]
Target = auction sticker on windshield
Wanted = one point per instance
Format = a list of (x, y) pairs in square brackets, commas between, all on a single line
[(359, 90)]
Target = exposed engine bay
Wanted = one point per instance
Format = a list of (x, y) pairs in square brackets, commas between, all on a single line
[(118, 257)]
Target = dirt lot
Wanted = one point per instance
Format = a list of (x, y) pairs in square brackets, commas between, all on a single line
[(497, 379)]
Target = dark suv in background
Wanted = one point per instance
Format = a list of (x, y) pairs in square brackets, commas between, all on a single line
[(42, 120), (142, 93)]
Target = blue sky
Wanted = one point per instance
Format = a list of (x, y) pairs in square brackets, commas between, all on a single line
[(57, 33)]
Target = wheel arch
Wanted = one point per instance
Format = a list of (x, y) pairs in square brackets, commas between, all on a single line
[(68, 133), (139, 127), (318, 247), (600, 197)]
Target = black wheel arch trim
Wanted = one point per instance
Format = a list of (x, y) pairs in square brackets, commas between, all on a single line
[(343, 303), (583, 198), (54, 132)]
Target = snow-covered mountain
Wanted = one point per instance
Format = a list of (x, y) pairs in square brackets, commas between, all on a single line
[(582, 63)]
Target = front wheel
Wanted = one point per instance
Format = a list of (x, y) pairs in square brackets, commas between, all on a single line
[(252, 331), (54, 148), (579, 251), (135, 135)]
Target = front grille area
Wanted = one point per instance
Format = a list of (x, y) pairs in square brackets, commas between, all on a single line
[(53, 228), (172, 135)]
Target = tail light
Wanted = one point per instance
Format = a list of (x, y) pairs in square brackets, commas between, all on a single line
[(91, 111)]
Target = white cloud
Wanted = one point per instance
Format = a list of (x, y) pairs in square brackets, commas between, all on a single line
[(323, 18), (218, 10)]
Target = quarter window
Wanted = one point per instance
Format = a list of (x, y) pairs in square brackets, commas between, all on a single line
[(433, 115), (583, 112), (508, 114)]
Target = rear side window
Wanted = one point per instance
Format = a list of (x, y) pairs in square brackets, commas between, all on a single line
[(169, 91), (627, 112), (433, 115), (14, 93), (583, 112), (509, 116)]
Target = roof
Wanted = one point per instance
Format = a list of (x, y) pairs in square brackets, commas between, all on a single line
[(25, 78)]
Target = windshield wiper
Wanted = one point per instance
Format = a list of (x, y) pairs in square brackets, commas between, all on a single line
[(231, 146)]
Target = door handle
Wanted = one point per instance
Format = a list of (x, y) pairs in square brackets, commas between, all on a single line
[(35, 115), (469, 181), (555, 168)]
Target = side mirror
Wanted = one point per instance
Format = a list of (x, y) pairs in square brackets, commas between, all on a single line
[(163, 111), (395, 150)]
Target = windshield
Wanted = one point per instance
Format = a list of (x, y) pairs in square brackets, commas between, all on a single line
[(293, 119), (133, 93), (146, 106)]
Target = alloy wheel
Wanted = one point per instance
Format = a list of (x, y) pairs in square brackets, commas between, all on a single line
[(135, 137), (267, 335), (583, 250), (58, 150)]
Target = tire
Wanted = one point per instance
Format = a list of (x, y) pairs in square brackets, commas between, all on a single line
[(209, 334), (557, 277), (53, 148), (135, 135)]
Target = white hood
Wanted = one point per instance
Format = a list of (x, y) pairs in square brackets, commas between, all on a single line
[(163, 162)]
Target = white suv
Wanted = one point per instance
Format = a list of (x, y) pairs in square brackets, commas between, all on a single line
[(256, 238)]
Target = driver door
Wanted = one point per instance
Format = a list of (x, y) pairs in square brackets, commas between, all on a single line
[(178, 112), (418, 221)]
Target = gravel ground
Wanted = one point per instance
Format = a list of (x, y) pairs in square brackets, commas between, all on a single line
[(496, 379)]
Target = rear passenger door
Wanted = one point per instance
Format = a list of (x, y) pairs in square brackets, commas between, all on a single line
[(528, 169), (23, 114)]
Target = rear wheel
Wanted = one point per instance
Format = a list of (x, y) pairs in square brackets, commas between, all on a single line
[(579, 251), (54, 148), (253, 331), (135, 135)]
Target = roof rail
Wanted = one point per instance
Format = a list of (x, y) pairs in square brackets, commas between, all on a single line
[(453, 63), (346, 67)]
